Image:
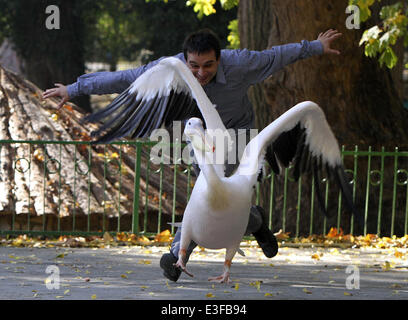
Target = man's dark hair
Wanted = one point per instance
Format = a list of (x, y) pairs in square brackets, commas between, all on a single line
[(202, 41)]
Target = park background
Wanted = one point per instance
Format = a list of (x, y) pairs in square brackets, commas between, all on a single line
[(73, 188)]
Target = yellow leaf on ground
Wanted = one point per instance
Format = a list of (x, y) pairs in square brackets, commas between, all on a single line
[(316, 256), (387, 266), (334, 233), (163, 236), (306, 291), (93, 297), (398, 254), (210, 295), (143, 261)]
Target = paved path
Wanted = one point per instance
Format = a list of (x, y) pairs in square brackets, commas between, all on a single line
[(134, 273)]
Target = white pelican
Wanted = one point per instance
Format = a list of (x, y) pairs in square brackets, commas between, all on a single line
[(217, 213)]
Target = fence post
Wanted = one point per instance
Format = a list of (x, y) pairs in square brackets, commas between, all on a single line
[(135, 217), (394, 191)]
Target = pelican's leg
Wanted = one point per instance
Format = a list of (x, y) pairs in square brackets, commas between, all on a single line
[(224, 278), (185, 241), (180, 262)]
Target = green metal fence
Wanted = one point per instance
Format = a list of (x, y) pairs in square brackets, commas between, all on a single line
[(60, 187)]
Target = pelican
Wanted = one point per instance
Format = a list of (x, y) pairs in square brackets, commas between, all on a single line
[(217, 213)]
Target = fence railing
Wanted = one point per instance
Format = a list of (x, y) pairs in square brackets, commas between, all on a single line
[(71, 187)]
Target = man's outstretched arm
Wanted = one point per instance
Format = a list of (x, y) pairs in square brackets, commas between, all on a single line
[(97, 83)]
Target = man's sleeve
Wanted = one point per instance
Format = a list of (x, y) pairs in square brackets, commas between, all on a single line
[(262, 64), (106, 82)]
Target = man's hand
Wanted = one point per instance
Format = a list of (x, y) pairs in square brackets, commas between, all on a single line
[(59, 91), (327, 38)]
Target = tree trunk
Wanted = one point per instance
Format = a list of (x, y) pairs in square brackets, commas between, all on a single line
[(50, 55), (358, 97)]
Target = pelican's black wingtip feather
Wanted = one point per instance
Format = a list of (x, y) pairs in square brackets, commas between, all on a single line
[(271, 159), (318, 193), (123, 99), (346, 190)]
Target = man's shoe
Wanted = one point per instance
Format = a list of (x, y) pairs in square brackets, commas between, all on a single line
[(266, 240), (167, 262)]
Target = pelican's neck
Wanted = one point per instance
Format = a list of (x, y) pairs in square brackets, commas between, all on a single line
[(206, 166)]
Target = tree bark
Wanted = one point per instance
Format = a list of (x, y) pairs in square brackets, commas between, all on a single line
[(50, 55), (359, 98)]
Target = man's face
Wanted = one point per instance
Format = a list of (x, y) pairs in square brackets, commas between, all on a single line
[(203, 66)]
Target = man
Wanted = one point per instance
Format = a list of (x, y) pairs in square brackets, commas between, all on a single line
[(225, 76)]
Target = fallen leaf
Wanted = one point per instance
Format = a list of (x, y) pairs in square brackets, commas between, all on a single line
[(306, 291), (334, 233), (256, 284), (398, 254), (210, 295), (68, 107), (164, 236), (316, 256), (348, 294), (143, 261), (387, 266), (93, 297)]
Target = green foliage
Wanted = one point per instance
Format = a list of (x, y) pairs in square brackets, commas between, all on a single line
[(202, 7), (379, 39), (114, 32), (208, 7), (233, 37)]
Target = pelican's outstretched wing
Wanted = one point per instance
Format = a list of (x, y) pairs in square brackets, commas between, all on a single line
[(301, 137), (164, 93)]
